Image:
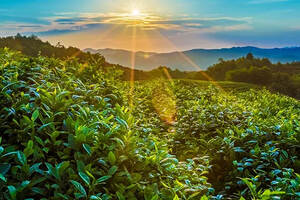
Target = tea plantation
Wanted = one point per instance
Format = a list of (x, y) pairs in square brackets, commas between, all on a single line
[(72, 131)]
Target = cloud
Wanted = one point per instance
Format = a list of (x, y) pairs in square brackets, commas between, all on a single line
[(29, 26), (73, 29), (70, 20), (145, 22), (64, 23)]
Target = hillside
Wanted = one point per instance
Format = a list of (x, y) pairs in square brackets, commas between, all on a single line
[(201, 57), (283, 78), (33, 46), (73, 131)]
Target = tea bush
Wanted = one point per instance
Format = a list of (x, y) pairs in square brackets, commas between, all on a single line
[(66, 135), (248, 137), (69, 130)]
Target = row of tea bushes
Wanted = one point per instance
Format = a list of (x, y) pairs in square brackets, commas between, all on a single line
[(65, 134)]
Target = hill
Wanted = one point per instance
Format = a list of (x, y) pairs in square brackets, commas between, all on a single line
[(71, 130), (201, 57), (283, 78)]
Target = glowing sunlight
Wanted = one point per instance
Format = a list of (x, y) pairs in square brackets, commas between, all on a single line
[(135, 12)]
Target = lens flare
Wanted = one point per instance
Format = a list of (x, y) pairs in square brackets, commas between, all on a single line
[(163, 100)]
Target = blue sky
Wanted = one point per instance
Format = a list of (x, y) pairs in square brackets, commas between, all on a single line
[(161, 25)]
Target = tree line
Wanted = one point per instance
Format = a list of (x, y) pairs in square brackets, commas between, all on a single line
[(283, 78), (279, 77)]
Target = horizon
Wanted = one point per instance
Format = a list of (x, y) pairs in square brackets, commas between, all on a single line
[(184, 50), (155, 26)]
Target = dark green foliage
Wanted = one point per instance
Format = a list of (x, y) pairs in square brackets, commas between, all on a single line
[(33, 46), (277, 77), (255, 75), (250, 56), (286, 84), (219, 70)]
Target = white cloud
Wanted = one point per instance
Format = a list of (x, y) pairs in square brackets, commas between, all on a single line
[(64, 23)]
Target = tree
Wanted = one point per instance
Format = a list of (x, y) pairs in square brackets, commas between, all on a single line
[(250, 56), (255, 75), (238, 75)]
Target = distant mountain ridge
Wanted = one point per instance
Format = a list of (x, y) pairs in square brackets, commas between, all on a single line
[(200, 57)]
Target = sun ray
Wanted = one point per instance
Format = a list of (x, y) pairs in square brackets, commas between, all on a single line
[(107, 32), (189, 60), (133, 52), (168, 75)]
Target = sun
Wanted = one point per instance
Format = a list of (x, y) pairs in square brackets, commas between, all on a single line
[(135, 12)]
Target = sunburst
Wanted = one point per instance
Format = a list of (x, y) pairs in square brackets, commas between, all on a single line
[(135, 12)]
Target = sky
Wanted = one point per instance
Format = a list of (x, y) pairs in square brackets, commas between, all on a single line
[(155, 25)]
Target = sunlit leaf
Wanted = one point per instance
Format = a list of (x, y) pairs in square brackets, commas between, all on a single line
[(35, 115), (84, 177), (79, 187)]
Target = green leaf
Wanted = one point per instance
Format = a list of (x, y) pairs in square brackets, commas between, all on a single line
[(112, 170), (119, 141), (84, 177), (111, 158), (2, 178), (63, 196), (250, 186), (35, 115), (44, 126), (38, 190), (155, 197), (37, 181), (78, 195), (80, 166), (29, 149), (204, 197), (51, 171), (21, 157), (103, 179), (268, 193), (122, 122), (87, 148), (176, 197), (12, 192), (4, 168), (93, 197), (120, 196), (79, 187), (23, 185), (1, 150), (194, 195), (60, 169), (39, 140)]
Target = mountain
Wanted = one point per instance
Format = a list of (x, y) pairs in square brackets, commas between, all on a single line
[(189, 60)]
